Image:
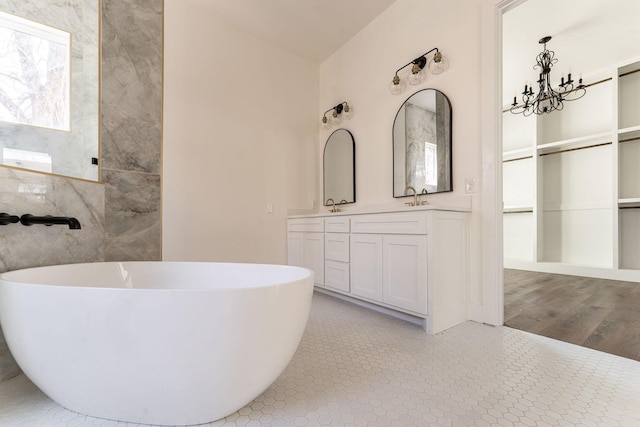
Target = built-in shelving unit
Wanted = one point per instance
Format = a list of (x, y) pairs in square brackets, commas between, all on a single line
[(571, 182)]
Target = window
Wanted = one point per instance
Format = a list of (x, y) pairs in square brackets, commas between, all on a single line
[(34, 73)]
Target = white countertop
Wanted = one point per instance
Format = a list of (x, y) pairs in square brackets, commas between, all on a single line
[(457, 204)]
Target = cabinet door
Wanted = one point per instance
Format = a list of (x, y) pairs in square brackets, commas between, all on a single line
[(295, 243), (405, 272), (366, 266), (336, 275), (313, 257)]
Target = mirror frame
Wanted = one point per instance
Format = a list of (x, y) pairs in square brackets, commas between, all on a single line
[(449, 135), (324, 168)]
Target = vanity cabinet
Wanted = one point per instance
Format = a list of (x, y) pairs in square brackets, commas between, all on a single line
[(305, 246), (414, 262)]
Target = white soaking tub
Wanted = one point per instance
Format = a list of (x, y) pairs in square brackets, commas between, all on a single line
[(166, 343)]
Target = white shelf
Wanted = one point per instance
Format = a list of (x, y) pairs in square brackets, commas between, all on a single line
[(517, 209), (522, 153), (633, 202), (631, 130), (584, 206), (573, 143)]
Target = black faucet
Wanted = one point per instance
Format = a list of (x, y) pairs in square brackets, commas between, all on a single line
[(6, 219), (28, 219)]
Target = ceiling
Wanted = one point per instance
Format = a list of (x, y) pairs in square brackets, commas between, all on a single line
[(312, 29), (588, 36)]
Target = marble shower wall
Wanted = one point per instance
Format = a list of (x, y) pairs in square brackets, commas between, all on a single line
[(131, 132), (120, 216)]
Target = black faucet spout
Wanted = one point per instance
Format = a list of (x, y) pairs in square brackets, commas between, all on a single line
[(6, 219), (48, 220)]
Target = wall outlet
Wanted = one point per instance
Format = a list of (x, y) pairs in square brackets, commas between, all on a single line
[(469, 185), (269, 208)]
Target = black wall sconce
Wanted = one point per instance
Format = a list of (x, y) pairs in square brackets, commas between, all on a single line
[(342, 109), (436, 65)]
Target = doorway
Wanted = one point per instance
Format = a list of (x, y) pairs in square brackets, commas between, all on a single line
[(572, 272)]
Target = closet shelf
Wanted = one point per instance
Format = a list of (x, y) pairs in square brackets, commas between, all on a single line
[(517, 209), (574, 143), (629, 134), (522, 153), (631, 129), (633, 202)]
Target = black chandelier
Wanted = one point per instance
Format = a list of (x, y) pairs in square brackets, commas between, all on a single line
[(547, 99)]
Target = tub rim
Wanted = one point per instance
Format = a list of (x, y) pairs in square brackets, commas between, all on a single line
[(13, 276)]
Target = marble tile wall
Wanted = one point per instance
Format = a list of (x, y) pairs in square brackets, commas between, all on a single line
[(120, 216), (131, 131)]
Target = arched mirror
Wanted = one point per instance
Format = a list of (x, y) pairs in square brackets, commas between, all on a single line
[(339, 168), (422, 144)]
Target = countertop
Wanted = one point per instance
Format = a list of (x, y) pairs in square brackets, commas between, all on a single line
[(457, 204)]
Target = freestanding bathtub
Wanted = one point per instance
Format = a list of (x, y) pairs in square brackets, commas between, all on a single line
[(154, 342)]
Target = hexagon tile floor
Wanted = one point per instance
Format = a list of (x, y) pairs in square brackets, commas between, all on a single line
[(356, 367)]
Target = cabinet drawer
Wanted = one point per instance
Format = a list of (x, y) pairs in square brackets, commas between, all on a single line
[(339, 224), (336, 275), (399, 223), (336, 247), (315, 225)]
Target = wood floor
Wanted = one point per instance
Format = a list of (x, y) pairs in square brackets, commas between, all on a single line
[(595, 313)]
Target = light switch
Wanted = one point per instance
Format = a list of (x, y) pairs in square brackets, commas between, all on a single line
[(269, 208), (469, 185)]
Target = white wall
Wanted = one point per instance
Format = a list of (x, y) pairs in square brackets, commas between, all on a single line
[(360, 72), (240, 132), (232, 147)]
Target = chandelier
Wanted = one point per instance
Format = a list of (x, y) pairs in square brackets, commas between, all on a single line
[(547, 99)]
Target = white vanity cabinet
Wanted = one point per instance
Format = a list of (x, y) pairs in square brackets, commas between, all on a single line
[(336, 253), (305, 245), (414, 262)]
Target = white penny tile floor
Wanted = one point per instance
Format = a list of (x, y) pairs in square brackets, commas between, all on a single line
[(356, 367)]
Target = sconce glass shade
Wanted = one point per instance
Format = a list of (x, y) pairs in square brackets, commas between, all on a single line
[(346, 112), (324, 123), (396, 86), (438, 63), (417, 75)]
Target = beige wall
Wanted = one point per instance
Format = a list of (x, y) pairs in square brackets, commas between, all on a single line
[(360, 72), (240, 132)]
